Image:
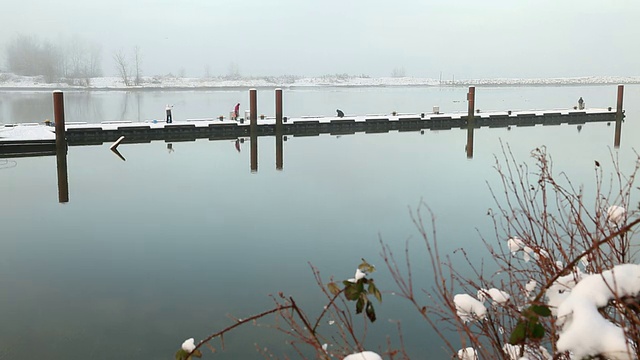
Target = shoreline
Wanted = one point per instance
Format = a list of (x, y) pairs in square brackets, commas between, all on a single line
[(10, 82), (294, 87)]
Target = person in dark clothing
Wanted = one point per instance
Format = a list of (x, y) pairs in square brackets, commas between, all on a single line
[(580, 103), (169, 117), (340, 113)]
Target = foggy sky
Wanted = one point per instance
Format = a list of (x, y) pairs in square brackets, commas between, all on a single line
[(459, 38)]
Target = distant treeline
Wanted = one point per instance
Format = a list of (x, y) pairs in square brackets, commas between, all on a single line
[(74, 60)]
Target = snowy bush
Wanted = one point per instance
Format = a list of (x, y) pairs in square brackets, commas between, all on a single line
[(562, 286)]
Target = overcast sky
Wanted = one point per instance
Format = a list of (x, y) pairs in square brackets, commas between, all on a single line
[(458, 38)]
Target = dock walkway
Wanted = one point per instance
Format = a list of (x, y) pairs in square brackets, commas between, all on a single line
[(16, 138)]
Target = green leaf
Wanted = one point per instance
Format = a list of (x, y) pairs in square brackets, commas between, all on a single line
[(371, 313), (333, 288), (374, 290), (541, 310), (366, 267), (538, 332), (518, 334), (360, 305), (197, 353), (352, 292), (181, 354), (531, 324)]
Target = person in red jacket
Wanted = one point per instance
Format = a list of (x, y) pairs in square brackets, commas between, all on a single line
[(236, 111)]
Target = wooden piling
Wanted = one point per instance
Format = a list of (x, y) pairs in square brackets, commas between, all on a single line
[(278, 110), (61, 147), (471, 98), (618, 131), (253, 111), (58, 117)]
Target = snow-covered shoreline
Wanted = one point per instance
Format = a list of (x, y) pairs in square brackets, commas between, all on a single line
[(14, 82)]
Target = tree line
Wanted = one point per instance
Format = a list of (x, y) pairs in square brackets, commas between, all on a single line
[(74, 60)]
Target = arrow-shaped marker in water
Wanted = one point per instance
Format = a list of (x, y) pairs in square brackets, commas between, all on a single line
[(114, 148)]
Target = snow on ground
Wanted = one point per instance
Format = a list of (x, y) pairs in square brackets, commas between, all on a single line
[(11, 81)]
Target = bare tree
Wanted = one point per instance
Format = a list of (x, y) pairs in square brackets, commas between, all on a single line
[(137, 61), (234, 71), (122, 65), (81, 61), (398, 72)]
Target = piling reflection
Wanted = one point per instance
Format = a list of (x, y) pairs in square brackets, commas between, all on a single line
[(469, 146), (279, 149), (254, 153), (618, 132), (63, 179)]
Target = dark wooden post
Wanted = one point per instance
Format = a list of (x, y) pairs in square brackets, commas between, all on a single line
[(58, 117), (616, 141), (278, 110), (253, 111), (253, 128), (61, 146), (471, 98), (279, 141)]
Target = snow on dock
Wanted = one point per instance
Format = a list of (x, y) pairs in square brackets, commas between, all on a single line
[(81, 133), (23, 132)]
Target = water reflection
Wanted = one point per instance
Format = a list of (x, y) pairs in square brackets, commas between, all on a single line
[(30, 108), (61, 154), (279, 150), (470, 130), (7, 164), (618, 133), (254, 153), (63, 178), (118, 154), (119, 271)]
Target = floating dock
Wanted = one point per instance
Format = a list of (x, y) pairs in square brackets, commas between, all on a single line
[(37, 138)]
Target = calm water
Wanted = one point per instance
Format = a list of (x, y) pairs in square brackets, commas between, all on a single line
[(165, 245)]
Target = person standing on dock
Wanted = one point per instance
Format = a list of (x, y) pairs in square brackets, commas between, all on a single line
[(340, 113), (580, 104), (169, 117), (236, 111)]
